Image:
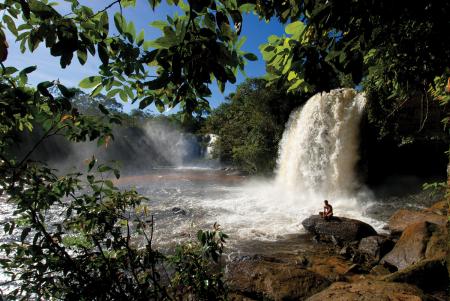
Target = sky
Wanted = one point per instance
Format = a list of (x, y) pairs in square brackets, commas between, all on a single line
[(255, 30)]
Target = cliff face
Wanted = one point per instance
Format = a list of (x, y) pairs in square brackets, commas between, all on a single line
[(414, 147)]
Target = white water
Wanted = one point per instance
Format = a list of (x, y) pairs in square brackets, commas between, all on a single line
[(317, 161), (319, 149)]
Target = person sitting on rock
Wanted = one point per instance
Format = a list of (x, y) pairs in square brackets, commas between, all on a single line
[(327, 211)]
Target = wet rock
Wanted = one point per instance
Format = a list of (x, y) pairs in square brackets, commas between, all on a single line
[(403, 218), (355, 268), (178, 211), (331, 267), (360, 258), (261, 278), (441, 208), (419, 241), (375, 246), (369, 290), (346, 251), (380, 270), (429, 275), (338, 228)]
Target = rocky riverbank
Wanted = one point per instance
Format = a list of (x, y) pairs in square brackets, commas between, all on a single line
[(346, 259)]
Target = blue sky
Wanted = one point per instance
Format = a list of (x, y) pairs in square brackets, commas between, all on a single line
[(255, 30)]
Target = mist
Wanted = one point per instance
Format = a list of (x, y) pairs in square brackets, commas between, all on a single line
[(138, 149)]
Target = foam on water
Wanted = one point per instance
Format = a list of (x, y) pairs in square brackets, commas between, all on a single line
[(317, 159)]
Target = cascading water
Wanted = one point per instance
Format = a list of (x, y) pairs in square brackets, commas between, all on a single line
[(317, 160), (319, 149)]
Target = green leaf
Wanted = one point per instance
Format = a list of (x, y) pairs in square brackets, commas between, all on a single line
[(103, 53), (297, 84), (82, 56), (140, 38), (90, 82), (295, 29), (146, 102), (159, 24), (28, 69), (9, 71), (109, 183), (241, 42), (159, 105), (126, 3), (161, 43), (43, 88), (131, 32), (247, 8), (10, 24), (123, 95), (97, 90), (250, 56), (292, 75), (120, 22), (66, 92), (112, 93), (273, 39), (104, 23)]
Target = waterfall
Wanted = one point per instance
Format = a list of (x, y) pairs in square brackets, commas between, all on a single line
[(319, 149)]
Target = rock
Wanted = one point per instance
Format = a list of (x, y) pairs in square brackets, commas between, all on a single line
[(441, 208), (354, 268), (379, 270), (375, 246), (429, 275), (403, 218), (262, 278), (330, 267), (419, 241), (346, 251), (338, 228), (369, 290), (178, 211)]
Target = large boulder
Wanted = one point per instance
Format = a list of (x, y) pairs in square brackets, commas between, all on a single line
[(404, 217), (419, 241), (430, 275), (369, 290), (375, 246), (339, 228), (265, 278)]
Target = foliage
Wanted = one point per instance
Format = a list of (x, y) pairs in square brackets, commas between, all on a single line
[(92, 251), (250, 126), (193, 273), (394, 49), (176, 68)]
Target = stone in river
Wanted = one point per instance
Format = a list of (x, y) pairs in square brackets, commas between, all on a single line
[(419, 241), (376, 246), (341, 228)]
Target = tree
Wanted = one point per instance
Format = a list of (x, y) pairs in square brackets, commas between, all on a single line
[(393, 49), (250, 125)]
